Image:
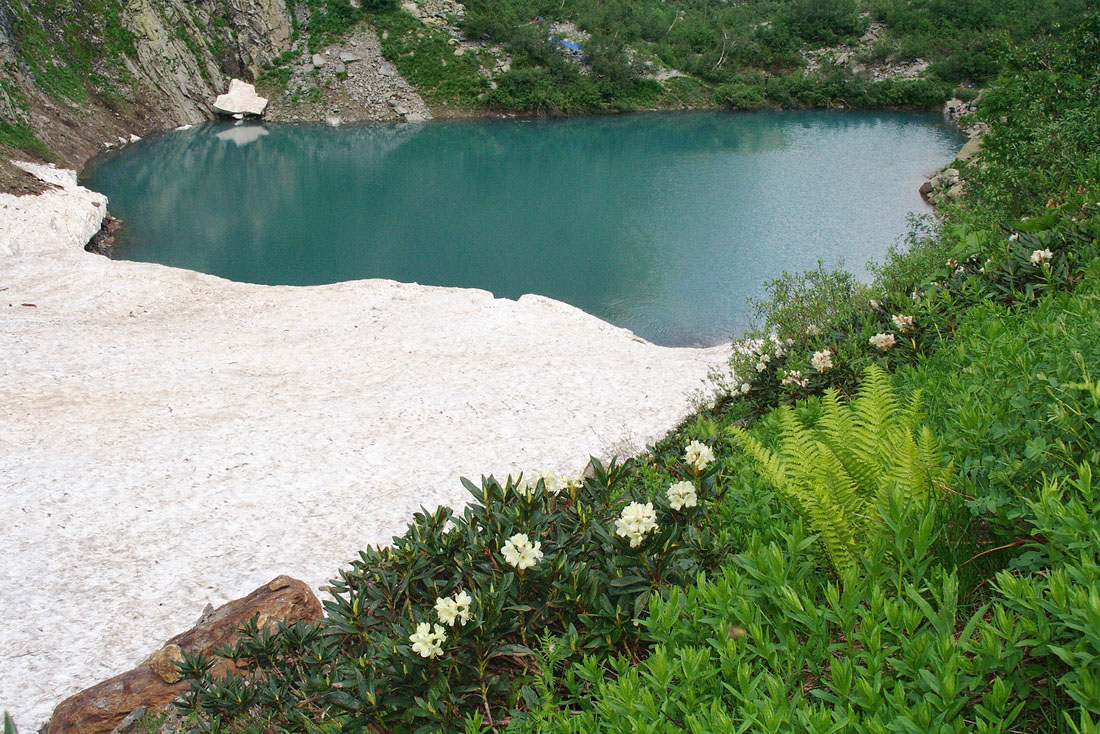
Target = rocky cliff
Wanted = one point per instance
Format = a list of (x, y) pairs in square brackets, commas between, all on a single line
[(74, 73)]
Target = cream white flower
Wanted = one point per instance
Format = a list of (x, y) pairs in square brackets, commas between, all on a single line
[(454, 609), (822, 361), (1014, 236), (635, 521), (882, 341), (549, 478), (681, 494), (426, 642), (873, 303), (1041, 256), (794, 377), (698, 455), (902, 321), (760, 366), (745, 387), (813, 330), (446, 610), (520, 552)]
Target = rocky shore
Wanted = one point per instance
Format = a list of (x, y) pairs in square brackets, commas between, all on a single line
[(169, 439)]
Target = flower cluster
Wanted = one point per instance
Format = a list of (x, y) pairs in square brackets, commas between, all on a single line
[(822, 361), (520, 552), (1041, 256), (426, 642), (903, 322), (698, 455), (636, 520), (454, 609), (882, 341), (739, 386), (680, 495), (813, 330), (794, 377)]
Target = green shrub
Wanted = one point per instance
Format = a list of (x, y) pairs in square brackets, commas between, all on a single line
[(768, 646), (455, 587), (838, 474), (1007, 401)]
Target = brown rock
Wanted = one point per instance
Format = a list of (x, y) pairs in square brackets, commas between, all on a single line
[(163, 663), (155, 683)]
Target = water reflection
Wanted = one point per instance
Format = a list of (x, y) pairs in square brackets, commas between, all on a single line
[(660, 223), (243, 135)]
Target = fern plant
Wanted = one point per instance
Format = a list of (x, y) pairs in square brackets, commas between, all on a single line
[(838, 473)]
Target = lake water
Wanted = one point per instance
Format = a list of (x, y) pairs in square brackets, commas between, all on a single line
[(660, 223)]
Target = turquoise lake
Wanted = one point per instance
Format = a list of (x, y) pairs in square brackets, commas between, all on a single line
[(661, 223)]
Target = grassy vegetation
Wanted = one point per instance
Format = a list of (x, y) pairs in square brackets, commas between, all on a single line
[(923, 558), (749, 54), (898, 529), (70, 46)]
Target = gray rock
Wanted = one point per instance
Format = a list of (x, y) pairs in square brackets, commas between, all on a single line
[(415, 117), (350, 58), (318, 60), (387, 69), (339, 68)]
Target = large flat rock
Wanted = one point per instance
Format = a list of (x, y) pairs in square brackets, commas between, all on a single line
[(169, 439)]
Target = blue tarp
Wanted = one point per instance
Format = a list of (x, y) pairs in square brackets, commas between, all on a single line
[(568, 44)]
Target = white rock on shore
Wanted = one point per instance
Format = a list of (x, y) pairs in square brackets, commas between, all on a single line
[(241, 99), (169, 439)]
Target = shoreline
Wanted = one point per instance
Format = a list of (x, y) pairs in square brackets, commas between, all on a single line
[(171, 439)]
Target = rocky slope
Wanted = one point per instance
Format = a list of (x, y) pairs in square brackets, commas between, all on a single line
[(79, 75), (76, 74)]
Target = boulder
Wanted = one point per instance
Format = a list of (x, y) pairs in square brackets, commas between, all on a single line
[(241, 99), (155, 683), (971, 149), (350, 58), (318, 61)]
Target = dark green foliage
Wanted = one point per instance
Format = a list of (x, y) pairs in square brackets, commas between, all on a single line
[(419, 53), (19, 136), (357, 667), (72, 47), (1048, 151), (971, 607), (331, 19)]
